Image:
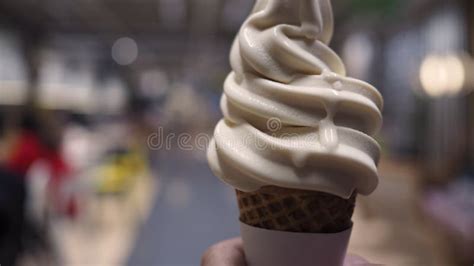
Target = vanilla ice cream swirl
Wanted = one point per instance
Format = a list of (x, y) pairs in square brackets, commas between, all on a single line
[(291, 116)]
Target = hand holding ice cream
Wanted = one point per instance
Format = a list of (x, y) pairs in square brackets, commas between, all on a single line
[(296, 141), (230, 253)]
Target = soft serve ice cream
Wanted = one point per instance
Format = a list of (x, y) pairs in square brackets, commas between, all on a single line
[(292, 118)]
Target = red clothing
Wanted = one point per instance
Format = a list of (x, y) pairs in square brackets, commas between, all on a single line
[(28, 150), (24, 153)]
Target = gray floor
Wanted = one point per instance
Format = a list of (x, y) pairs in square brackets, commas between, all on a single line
[(192, 211)]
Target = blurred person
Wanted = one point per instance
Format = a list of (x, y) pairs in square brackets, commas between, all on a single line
[(231, 253), (12, 197), (36, 141)]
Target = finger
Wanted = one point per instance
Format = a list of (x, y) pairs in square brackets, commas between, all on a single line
[(226, 253)]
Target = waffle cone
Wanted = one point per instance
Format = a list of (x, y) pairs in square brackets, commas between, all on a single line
[(293, 210)]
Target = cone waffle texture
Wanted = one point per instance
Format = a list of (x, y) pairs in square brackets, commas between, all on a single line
[(295, 210)]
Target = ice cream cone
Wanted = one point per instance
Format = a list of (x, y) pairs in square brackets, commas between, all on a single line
[(293, 210), (295, 125)]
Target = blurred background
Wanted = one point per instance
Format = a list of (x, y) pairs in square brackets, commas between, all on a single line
[(94, 94)]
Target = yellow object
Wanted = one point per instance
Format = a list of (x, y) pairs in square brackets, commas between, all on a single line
[(120, 172)]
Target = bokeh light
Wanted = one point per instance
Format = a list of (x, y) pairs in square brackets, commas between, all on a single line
[(125, 51), (442, 75)]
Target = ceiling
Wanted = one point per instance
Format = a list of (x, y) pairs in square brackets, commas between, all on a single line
[(168, 32), (163, 28), (126, 16), (132, 16)]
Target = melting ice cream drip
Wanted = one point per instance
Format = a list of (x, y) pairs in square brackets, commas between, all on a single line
[(328, 131), (328, 135)]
